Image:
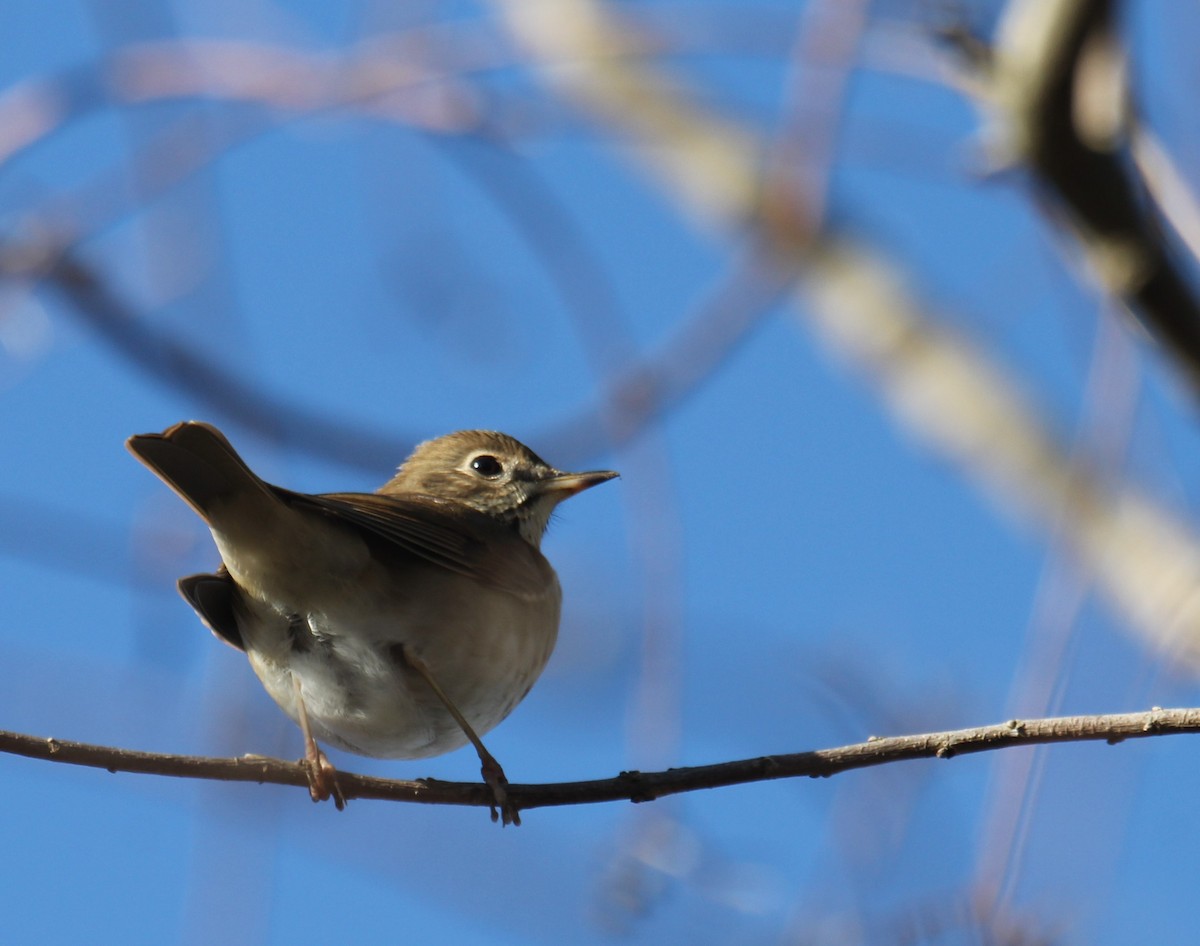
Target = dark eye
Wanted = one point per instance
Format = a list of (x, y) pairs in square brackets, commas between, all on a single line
[(487, 465)]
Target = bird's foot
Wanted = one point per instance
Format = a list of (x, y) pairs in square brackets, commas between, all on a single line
[(322, 777), (490, 769), (496, 780)]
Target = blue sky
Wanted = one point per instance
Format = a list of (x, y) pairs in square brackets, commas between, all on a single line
[(784, 565)]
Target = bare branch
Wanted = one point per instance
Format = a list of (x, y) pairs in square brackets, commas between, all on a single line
[(1059, 88), (628, 786)]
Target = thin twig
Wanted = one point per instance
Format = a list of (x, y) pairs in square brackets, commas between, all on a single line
[(628, 786)]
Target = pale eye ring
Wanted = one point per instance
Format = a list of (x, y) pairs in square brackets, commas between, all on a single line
[(487, 466)]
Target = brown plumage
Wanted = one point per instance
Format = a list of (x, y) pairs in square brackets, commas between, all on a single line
[(398, 624)]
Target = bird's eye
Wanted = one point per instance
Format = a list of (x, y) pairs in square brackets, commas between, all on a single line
[(487, 465)]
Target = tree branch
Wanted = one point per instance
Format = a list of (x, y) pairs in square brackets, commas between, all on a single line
[(1059, 86), (628, 786)]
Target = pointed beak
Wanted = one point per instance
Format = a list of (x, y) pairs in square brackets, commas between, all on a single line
[(565, 485)]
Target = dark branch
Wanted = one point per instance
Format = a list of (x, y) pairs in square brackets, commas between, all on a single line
[(628, 786), (175, 362), (1049, 66)]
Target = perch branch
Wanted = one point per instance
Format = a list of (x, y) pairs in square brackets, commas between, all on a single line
[(628, 786)]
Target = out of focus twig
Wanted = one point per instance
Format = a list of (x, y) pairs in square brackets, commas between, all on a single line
[(169, 359)]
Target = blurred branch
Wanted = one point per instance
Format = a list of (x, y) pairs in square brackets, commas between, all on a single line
[(1145, 558), (365, 80), (414, 77), (628, 786), (651, 386), (947, 391), (1054, 635), (178, 365), (298, 85), (596, 63), (73, 539), (1172, 193), (1058, 85)]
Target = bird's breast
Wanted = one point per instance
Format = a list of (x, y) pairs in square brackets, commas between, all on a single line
[(485, 647)]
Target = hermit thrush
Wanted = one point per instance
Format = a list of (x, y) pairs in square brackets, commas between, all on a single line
[(397, 624)]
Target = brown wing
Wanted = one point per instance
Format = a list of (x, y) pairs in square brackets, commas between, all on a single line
[(446, 534)]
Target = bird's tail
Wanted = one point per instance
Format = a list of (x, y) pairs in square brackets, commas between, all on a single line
[(196, 461)]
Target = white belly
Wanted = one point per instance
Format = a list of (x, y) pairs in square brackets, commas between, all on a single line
[(485, 648)]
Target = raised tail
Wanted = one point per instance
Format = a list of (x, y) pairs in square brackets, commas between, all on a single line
[(196, 461)]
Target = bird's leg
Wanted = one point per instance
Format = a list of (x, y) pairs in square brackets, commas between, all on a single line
[(322, 776), (490, 769)]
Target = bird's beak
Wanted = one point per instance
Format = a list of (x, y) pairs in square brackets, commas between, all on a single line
[(564, 485)]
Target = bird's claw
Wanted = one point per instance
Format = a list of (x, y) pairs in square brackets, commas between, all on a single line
[(322, 779), (496, 780)]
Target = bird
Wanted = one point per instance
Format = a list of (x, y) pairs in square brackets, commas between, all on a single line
[(397, 624)]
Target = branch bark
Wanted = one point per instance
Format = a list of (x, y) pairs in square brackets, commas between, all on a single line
[(628, 786)]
